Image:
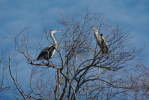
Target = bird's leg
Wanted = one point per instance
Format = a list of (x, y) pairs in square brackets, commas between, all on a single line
[(50, 61), (100, 52)]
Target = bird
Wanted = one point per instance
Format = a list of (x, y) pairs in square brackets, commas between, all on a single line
[(48, 52), (101, 41)]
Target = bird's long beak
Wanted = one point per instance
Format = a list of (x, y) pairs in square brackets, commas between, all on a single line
[(58, 31), (93, 28)]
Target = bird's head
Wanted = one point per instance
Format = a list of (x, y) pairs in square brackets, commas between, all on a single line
[(94, 29), (54, 31)]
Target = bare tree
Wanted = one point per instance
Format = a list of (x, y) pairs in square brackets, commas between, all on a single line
[(80, 71)]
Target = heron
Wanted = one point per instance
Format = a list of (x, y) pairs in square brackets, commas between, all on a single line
[(101, 41), (48, 52)]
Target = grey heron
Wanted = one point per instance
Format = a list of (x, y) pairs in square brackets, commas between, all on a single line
[(101, 41), (48, 52)]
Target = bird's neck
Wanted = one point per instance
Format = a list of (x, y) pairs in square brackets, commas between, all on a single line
[(54, 40), (96, 34)]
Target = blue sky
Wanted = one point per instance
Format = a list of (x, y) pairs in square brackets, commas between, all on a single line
[(130, 14)]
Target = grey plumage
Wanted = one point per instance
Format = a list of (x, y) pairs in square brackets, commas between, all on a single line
[(101, 41), (44, 53), (48, 52)]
